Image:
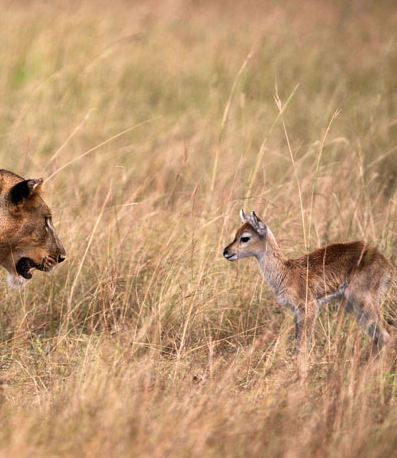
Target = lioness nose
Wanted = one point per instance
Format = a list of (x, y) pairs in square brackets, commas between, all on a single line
[(61, 257), (225, 252)]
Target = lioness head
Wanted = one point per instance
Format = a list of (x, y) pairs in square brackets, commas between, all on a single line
[(27, 237)]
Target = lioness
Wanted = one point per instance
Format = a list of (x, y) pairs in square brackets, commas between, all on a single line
[(27, 237)]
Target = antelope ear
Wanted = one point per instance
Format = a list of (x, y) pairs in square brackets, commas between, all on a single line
[(257, 224), (243, 217), (24, 190)]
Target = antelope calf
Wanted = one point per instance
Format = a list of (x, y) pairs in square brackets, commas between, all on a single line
[(353, 272)]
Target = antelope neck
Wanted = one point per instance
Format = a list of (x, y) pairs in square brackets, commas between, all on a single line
[(272, 265)]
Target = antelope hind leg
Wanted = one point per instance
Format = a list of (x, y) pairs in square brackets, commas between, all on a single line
[(369, 320)]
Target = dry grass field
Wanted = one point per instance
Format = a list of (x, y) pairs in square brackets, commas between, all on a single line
[(153, 123)]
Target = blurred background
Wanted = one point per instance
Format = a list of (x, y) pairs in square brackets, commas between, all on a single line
[(199, 81)]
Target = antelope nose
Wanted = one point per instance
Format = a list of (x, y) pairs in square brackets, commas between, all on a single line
[(61, 257), (225, 252)]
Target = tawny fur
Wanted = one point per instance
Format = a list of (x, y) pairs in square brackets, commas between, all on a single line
[(26, 230), (353, 272)]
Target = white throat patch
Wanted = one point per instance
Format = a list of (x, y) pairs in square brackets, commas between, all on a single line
[(15, 281)]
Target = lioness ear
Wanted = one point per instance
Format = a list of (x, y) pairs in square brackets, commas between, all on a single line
[(24, 190), (257, 224)]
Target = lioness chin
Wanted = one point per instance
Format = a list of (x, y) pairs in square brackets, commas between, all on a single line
[(27, 237)]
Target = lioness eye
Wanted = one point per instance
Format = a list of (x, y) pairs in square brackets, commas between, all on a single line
[(244, 239)]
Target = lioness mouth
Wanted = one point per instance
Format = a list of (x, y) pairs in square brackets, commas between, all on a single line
[(25, 267)]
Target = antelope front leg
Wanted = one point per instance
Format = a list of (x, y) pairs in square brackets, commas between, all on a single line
[(305, 318)]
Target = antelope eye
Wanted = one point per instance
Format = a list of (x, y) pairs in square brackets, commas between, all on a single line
[(244, 239)]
